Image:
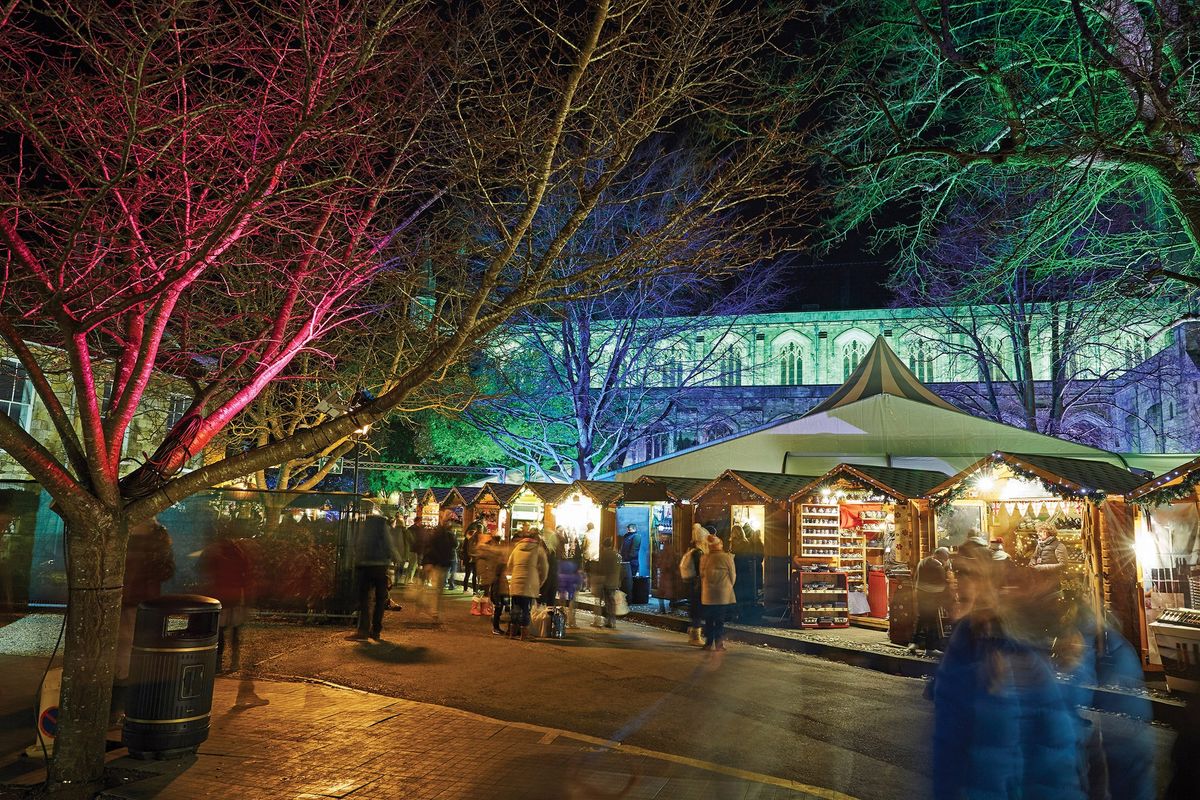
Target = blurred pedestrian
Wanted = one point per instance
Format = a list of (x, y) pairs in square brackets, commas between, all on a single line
[(492, 559), (470, 551), (718, 576), (606, 580), (689, 571), (568, 586), (438, 556), (149, 563), (933, 598), (527, 570), (550, 545), (374, 550), (455, 544), (227, 574)]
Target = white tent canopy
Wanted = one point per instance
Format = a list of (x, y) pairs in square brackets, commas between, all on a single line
[(882, 415)]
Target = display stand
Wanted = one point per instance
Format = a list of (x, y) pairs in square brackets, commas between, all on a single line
[(819, 532), (822, 600)]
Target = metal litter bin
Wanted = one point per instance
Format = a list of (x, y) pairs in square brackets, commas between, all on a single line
[(171, 672)]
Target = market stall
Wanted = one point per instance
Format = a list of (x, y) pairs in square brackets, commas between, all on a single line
[(1008, 497), (751, 513), (868, 521), (430, 511), (493, 505), (1167, 536), (662, 508)]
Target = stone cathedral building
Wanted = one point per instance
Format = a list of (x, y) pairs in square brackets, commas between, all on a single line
[(1135, 389)]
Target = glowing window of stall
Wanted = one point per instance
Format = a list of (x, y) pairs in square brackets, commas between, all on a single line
[(755, 516)]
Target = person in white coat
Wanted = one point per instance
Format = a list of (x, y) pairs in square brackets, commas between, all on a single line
[(717, 576), (527, 569)]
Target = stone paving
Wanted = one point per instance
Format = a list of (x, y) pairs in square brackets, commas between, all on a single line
[(315, 741)]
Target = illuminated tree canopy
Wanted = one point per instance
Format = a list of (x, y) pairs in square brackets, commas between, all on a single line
[(1092, 103)]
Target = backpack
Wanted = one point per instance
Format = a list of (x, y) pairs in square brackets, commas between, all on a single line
[(689, 566)]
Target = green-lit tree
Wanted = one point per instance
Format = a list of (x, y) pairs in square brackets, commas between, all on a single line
[(1091, 103)]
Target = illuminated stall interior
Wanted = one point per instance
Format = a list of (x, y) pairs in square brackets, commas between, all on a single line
[(1167, 536), (661, 507), (1006, 495), (546, 496), (457, 502), (863, 520), (590, 503)]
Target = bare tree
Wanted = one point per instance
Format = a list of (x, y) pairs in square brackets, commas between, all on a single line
[(211, 190), (1043, 317)]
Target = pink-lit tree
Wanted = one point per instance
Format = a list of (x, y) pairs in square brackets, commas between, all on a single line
[(210, 192)]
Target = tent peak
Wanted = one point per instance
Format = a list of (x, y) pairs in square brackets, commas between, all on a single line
[(881, 372)]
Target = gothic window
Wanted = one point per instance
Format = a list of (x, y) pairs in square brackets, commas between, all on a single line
[(920, 360), (852, 353), (177, 406), (730, 366), (718, 431), (1133, 430), (657, 445), (16, 393), (791, 365)]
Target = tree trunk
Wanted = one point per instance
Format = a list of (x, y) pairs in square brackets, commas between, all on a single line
[(95, 570)]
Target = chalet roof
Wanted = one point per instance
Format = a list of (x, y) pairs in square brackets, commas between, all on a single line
[(466, 495), (677, 488), (898, 482), (437, 493), (549, 493), (880, 372), (1079, 475), (502, 493), (774, 487), (602, 493), (1181, 473)]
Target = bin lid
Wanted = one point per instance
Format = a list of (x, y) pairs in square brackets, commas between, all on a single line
[(182, 604)]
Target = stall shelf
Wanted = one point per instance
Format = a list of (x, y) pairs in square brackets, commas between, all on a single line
[(496, 500), (1005, 495), (822, 600)]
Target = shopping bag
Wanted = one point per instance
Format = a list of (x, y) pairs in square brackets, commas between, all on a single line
[(620, 603), (487, 608), (476, 606), (537, 621)]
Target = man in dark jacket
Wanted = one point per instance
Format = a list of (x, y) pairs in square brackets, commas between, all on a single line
[(631, 549), (374, 551)]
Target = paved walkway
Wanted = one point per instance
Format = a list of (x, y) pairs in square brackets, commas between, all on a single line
[(317, 741)]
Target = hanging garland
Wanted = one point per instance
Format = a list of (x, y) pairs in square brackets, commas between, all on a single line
[(1169, 494), (1060, 490)]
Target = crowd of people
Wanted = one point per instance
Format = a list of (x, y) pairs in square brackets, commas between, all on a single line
[(535, 566)]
